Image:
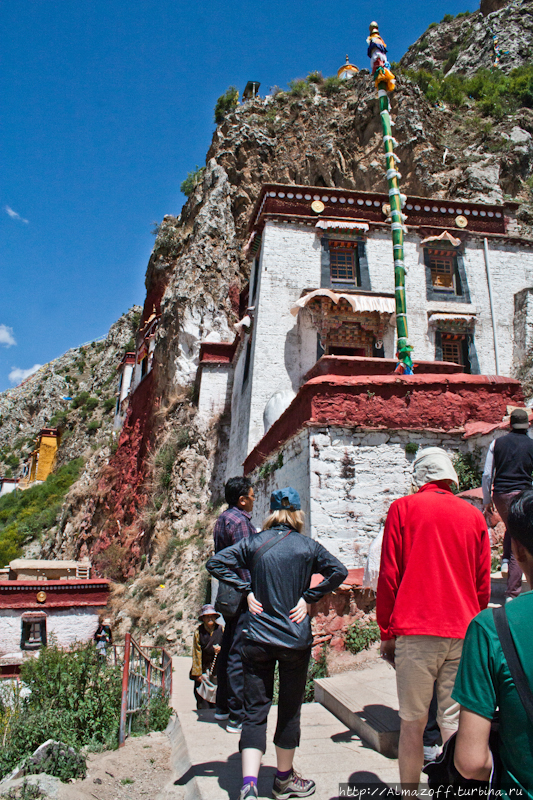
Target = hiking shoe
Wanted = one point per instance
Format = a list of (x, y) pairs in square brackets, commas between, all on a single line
[(248, 791), (233, 727), (293, 786), (220, 714)]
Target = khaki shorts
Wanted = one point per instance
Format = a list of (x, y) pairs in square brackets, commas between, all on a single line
[(420, 661)]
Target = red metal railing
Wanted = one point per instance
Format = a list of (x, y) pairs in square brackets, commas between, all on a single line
[(142, 678)]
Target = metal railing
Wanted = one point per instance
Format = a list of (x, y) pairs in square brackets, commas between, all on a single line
[(143, 677)]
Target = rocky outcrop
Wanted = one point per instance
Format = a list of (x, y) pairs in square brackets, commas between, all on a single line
[(466, 43)]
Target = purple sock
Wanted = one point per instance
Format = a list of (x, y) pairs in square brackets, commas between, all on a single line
[(283, 775), (249, 779)]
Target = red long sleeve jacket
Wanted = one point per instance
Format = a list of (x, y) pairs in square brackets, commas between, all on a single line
[(435, 565)]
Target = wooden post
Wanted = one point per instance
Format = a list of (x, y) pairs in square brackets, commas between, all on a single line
[(125, 682)]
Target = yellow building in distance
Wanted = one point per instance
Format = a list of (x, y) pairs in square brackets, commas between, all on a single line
[(42, 460)]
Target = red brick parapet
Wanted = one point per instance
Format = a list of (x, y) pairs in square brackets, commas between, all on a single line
[(434, 402), (218, 352)]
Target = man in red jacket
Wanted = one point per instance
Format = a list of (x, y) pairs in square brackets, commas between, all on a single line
[(434, 578)]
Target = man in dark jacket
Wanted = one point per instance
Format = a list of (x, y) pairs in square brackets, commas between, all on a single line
[(278, 630), (231, 527), (508, 471)]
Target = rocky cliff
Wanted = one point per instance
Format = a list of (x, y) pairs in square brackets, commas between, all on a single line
[(145, 513), (57, 395)]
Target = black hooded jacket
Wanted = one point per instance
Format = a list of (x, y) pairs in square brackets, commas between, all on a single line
[(278, 580)]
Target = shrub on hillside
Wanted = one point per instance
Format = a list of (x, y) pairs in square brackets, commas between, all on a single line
[(226, 103), (331, 86), (27, 515), (494, 92), (80, 399), (188, 186)]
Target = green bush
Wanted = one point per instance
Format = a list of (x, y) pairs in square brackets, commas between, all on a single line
[(75, 699), (191, 182), (59, 420), (91, 403), (360, 635), (26, 791), (411, 447), (93, 426), (315, 77), (331, 86), (109, 404), (61, 761), (494, 92), (80, 399), (28, 514), (317, 669), (226, 103), (299, 88), (468, 468)]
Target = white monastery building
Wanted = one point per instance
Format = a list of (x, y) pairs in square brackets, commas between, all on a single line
[(309, 380)]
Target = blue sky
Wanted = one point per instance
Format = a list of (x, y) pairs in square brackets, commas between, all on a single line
[(105, 106)]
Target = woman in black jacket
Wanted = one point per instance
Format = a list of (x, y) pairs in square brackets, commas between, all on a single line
[(278, 630)]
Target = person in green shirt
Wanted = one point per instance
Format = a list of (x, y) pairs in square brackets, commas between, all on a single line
[(484, 682)]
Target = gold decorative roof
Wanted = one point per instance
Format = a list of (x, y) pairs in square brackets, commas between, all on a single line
[(347, 70)]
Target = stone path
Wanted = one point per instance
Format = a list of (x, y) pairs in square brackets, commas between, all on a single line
[(208, 762)]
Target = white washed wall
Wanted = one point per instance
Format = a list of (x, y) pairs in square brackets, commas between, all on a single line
[(511, 271), (240, 414), (66, 625), (284, 347), (294, 472), (215, 389), (347, 481)]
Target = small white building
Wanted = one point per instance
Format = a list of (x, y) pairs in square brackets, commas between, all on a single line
[(44, 599), (314, 398), (7, 485)]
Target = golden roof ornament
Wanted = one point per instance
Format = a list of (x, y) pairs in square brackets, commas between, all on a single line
[(347, 71)]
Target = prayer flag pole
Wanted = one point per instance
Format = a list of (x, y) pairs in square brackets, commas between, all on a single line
[(385, 82)]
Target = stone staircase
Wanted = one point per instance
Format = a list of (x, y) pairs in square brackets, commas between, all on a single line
[(366, 702)]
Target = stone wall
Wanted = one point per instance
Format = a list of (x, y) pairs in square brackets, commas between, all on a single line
[(215, 389), (348, 479), (65, 625), (288, 467)]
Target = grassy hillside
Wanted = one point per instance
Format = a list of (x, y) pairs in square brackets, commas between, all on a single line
[(27, 515)]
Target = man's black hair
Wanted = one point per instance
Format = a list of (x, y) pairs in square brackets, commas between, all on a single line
[(235, 488), (520, 519)]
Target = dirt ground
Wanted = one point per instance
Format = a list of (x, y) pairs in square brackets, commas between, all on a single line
[(138, 771)]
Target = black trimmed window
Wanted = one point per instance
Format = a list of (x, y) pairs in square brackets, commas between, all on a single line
[(344, 263), (457, 348), (33, 634), (445, 275)]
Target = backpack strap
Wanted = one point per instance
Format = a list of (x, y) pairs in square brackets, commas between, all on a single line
[(266, 546), (513, 662)]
